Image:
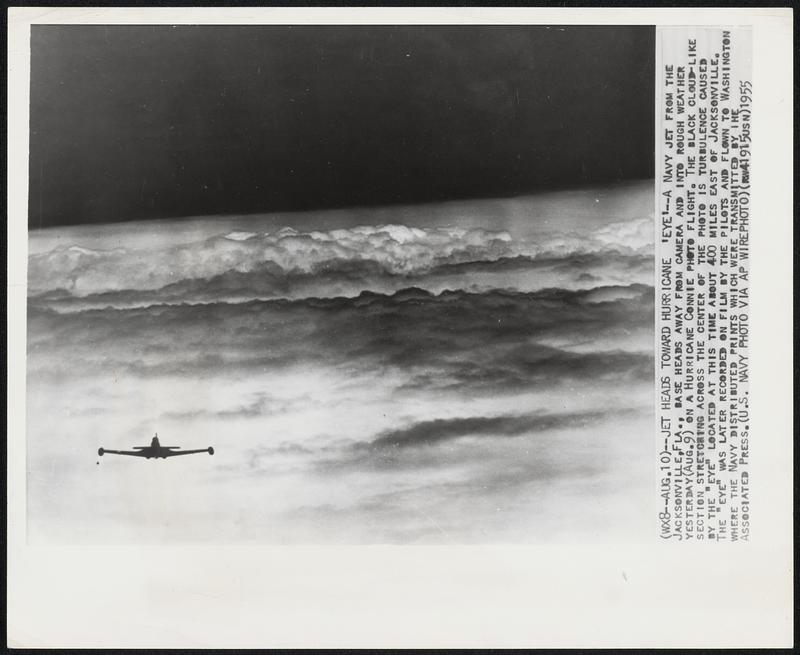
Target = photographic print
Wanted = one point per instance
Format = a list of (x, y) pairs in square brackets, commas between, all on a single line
[(382, 284)]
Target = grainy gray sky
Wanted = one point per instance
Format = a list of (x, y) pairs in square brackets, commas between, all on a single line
[(137, 122)]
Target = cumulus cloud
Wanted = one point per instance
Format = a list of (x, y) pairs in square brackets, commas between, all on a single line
[(258, 405), (395, 248), (448, 442), (439, 430), (245, 264), (349, 278), (454, 341), (360, 373)]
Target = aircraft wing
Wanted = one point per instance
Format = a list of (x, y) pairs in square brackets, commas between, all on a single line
[(174, 453), (131, 453)]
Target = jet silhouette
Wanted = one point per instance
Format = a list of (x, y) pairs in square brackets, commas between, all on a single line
[(155, 451)]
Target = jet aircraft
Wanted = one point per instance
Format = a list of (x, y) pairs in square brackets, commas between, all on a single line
[(155, 451)]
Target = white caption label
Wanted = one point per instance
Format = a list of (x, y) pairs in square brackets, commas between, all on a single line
[(704, 100)]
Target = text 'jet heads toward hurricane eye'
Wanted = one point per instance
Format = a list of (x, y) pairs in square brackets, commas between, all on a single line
[(155, 451)]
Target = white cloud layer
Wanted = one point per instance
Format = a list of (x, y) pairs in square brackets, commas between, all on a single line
[(391, 249)]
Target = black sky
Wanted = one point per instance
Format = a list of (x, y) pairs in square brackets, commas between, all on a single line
[(134, 122)]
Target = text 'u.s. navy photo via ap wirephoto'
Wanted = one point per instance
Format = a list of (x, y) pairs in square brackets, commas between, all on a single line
[(399, 328)]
